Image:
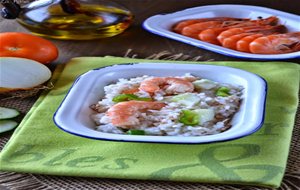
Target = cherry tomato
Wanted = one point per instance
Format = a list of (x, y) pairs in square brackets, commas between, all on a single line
[(17, 44)]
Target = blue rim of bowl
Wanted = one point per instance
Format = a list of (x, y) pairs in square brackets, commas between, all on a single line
[(206, 46), (160, 142)]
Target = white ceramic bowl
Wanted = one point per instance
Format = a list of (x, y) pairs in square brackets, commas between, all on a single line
[(161, 25), (73, 115)]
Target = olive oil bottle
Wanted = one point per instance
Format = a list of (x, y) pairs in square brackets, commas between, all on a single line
[(75, 19)]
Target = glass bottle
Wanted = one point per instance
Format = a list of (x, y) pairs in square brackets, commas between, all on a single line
[(70, 19)]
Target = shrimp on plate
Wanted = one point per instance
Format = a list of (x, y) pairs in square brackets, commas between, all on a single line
[(243, 44), (231, 42), (223, 36), (234, 31), (210, 35), (272, 21), (179, 26), (193, 30), (276, 44), (171, 85), (125, 114)]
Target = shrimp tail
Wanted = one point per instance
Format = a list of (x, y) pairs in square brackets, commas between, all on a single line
[(297, 47)]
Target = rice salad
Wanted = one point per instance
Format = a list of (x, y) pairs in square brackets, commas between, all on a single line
[(167, 106)]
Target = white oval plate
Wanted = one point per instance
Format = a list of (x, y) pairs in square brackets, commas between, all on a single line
[(161, 25), (73, 115)]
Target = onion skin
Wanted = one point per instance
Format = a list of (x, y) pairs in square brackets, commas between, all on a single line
[(5, 90)]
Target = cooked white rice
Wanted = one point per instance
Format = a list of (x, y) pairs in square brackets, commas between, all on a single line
[(166, 120)]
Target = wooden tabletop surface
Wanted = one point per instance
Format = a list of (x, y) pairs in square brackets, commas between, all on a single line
[(142, 42)]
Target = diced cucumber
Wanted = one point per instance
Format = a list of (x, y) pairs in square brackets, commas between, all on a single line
[(223, 91), (135, 132), (6, 125), (128, 97), (189, 117), (187, 99), (7, 113), (205, 115), (204, 84)]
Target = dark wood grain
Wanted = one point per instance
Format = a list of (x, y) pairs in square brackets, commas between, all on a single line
[(142, 42)]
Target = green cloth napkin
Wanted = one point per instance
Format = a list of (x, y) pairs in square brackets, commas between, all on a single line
[(38, 146)]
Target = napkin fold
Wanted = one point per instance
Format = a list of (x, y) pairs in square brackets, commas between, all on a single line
[(39, 146)]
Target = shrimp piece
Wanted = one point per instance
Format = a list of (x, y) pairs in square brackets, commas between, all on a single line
[(179, 26), (243, 44), (231, 41), (252, 29), (276, 44), (193, 30), (130, 91), (125, 114), (272, 21), (230, 32), (210, 35), (171, 85)]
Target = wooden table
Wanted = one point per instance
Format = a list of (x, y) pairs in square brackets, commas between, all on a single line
[(144, 44)]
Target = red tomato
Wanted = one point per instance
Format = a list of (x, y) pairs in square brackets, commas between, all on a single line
[(16, 44)]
